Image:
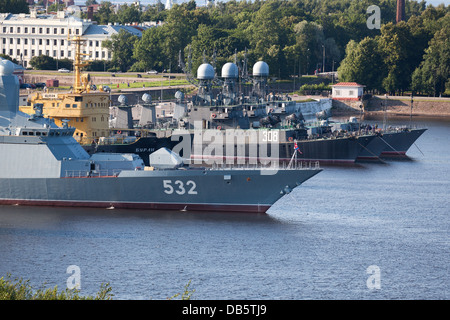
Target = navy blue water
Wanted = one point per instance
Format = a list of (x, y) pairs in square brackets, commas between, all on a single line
[(316, 243)]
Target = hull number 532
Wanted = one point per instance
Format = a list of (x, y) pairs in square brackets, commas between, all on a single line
[(179, 187)]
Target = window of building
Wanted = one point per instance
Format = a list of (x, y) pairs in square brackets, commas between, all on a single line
[(18, 40), (18, 29), (40, 52), (74, 105), (62, 53), (48, 42), (4, 29), (54, 53), (40, 41), (62, 30), (67, 105), (55, 42), (11, 29), (18, 52), (10, 40), (10, 52), (32, 42), (33, 30), (62, 42), (48, 30), (32, 53), (47, 53), (25, 30), (25, 52), (351, 93), (40, 30), (96, 43), (338, 92), (55, 30), (77, 31), (25, 41)]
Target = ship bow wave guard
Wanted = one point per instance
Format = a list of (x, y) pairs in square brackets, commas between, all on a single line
[(42, 164)]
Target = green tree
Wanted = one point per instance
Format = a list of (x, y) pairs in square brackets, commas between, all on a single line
[(433, 74), (129, 14), (121, 45), (148, 51), (363, 64), (105, 13), (43, 63)]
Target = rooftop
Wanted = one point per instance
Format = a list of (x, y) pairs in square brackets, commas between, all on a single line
[(347, 84)]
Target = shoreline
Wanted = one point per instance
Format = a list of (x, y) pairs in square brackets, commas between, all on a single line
[(423, 107)]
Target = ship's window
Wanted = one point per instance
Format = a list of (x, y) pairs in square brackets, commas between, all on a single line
[(44, 133), (24, 133), (67, 105), (74, 105), (38, 133)]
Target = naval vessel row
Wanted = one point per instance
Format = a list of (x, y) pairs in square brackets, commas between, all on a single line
[(42, 164)]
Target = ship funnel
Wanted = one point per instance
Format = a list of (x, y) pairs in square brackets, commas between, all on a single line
[(9, 89)]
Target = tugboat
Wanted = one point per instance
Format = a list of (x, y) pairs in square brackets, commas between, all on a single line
[(42, 164)]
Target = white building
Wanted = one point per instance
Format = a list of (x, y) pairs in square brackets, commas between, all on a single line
[(23, 36), (347, 91)]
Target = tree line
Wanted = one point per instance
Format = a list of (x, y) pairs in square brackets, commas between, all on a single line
[(295, 37)]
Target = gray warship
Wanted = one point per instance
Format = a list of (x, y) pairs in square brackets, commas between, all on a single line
[(42, 164)]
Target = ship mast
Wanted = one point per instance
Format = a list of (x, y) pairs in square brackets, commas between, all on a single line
[(81, 83)]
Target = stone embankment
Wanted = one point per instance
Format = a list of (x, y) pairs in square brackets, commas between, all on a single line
[(396, 106)]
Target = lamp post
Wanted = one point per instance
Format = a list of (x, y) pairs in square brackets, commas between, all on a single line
[(323, 63), (410, 114)]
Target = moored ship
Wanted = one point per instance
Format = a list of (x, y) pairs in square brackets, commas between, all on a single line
[(42, 164)]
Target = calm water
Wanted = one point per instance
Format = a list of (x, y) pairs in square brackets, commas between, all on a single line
[(316, 243)]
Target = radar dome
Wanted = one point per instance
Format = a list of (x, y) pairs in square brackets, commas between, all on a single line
[(230, 70), (6, 67), (146, 98), (179, 95), (261, 69), (123, 100), (205, 72)]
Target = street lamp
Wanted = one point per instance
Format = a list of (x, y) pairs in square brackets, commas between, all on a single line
[(323, 63)]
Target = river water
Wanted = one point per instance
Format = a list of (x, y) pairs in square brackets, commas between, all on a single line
[(369, 231)]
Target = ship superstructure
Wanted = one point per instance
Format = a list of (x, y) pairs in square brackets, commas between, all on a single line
[(84, 108), (42, 164)]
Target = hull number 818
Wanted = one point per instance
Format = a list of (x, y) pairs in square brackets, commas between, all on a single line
[(179, 187)]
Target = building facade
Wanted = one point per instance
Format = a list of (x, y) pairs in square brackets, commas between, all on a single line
[(347, 91), (23, 36)]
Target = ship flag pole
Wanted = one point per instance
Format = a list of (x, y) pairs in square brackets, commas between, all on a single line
[(294, 156)]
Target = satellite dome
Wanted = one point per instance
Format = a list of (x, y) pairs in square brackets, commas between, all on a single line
[(261, 69), (205, 72), (230, 70), (146, 98), (6, 67), (123, 100), (179, 95)]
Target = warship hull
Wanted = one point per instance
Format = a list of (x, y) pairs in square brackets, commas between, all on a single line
[(240, 189), (396, 145), (340, 150)]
